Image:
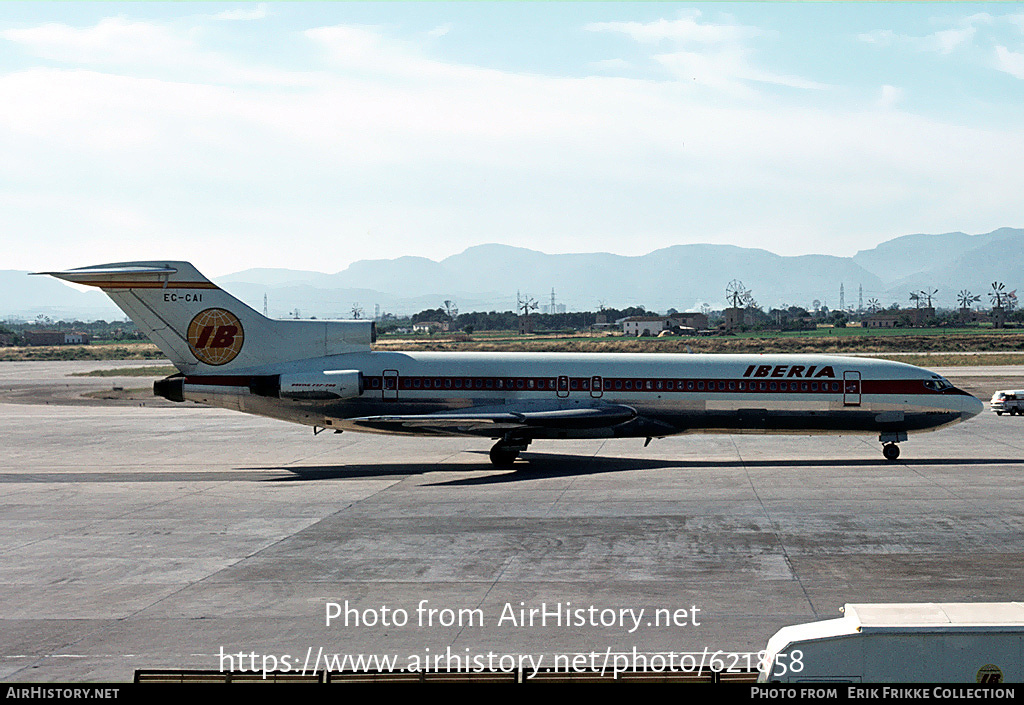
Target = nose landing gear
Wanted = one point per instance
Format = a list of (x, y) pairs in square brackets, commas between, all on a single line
[(890, 450)]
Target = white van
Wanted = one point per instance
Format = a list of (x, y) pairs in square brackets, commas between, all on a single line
[(948, 642), (1010, 401)]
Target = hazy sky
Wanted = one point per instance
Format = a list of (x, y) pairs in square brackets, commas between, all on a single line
[(310, 135)]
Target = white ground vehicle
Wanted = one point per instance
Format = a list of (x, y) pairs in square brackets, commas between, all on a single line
[(947, 642), (1009, 401)]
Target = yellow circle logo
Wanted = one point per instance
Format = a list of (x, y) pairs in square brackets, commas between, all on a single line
[(989, 673), (215, 336)]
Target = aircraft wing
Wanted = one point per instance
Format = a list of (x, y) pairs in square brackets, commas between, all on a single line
[(484, 422)]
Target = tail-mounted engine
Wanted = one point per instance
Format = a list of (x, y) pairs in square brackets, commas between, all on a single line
[(315, 386)]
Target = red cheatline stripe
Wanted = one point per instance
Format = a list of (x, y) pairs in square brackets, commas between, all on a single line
[(373, 383)]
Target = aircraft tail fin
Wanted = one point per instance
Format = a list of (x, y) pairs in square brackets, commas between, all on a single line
[(202, 328)]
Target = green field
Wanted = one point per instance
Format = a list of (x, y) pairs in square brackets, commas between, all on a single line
[(113, 351), (835, 341), (148, 371), (821, 341)]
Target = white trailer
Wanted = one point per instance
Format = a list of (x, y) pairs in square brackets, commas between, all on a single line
[(950, 642)]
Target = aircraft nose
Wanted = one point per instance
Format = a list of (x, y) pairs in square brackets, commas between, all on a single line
[(971, 406)]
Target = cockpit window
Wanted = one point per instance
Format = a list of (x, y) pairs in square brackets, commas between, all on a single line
[(938, 384)]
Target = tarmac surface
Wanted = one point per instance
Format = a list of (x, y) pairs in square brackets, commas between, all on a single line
[(139, 534)]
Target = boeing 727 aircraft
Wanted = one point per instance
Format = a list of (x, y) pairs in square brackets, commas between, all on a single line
[(324, 374)]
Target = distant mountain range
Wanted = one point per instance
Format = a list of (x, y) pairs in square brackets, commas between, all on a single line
[(487, 277)]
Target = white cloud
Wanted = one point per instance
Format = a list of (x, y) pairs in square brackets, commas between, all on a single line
[(882, 37), (943, 41), (706, 54), (113, 41), (440, 30), (685, 30), (890, 96), (1010, 62), (126, 47), (375, 135)]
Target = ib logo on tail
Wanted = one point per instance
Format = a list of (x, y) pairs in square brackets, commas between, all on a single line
[(215, 336)]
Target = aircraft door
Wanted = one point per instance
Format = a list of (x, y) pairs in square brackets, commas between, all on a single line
[(390, 386), (563, 385), (596, 386), (851, 388)]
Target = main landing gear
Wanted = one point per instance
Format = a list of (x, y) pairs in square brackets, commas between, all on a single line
[(890, 450), (505, 451)]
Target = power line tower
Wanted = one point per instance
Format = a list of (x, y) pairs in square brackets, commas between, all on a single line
[(842, 298), (860, 298)]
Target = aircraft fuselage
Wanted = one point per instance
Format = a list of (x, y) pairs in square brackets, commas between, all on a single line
[(670, 393)]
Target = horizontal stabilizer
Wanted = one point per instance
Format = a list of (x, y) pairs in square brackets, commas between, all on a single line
[(106, 272)]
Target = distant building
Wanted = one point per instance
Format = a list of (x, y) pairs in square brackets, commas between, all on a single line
[(54, 337), (969, 315), (734, 317), (883, 319), (654, 325), (692, 320), (890, 319), (429, 326), (647, 325), (998, 316), (922, 314)]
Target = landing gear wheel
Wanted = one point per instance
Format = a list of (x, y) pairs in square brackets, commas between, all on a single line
[(503, 457), (891, 451)]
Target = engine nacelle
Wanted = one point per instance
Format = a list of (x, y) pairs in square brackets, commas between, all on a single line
[(310, 386)]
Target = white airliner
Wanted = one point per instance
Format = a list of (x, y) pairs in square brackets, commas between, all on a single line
[(324, 374)]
